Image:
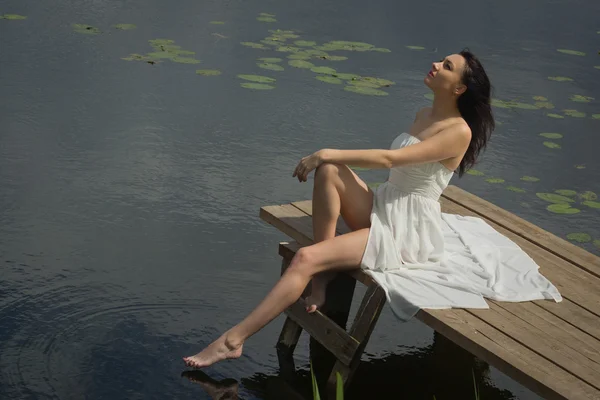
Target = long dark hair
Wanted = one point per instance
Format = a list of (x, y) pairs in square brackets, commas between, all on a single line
[(476, 109)]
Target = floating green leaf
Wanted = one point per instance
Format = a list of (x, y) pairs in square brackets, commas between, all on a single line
[(125, 27), (581, 99), (415, 47), (494, 180), (323, 70), (362, 83), (513, 104), (554, 198), (256, 78), (381, 50), (588, 195), (560, 79), (185, 60), (592, 204), (305, 43), (359, 168), (365, 90), (579, 237), (270, 67), (574, 113), (270, 59), (345, 76), (257, 86), (136, 57), (329, 79), (557, 116), (548, 135), (596, 116), (333, 58), (85, 29), (515, 189), (374, 185), (264, 14), (377, 81), (566, 192), (475, 172), (580, 166), (562, 208), (571, 52), (597, 66), (314, 52), (14, 17), (161, 54), (253, 45), (544, 104), (301, 64), (288, 49), (266, 19), (346, 45), (429, 96), (530, 179), (597, 243), (540, 98), (217, 22), (299, 56), (160, 42), (208, 72), (552, 145)]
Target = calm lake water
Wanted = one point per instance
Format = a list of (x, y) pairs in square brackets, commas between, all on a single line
[(129, 191)]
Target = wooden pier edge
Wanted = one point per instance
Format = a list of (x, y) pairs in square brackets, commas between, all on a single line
[(551, 348)]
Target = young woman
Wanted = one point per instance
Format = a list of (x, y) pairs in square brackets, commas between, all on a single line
[(398, 227)]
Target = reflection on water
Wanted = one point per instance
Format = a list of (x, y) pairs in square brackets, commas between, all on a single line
[(129, 190)]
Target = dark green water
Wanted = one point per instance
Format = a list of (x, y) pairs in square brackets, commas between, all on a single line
[(129, 192)]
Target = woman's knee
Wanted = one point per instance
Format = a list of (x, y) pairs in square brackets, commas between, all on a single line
[(302, 261), (327, 171)]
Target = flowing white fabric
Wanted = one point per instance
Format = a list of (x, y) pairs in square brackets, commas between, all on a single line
[(424, 258)]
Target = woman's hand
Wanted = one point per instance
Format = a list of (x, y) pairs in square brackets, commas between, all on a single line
[(307, 164)]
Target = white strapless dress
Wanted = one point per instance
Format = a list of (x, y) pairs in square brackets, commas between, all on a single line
[(424, 258)]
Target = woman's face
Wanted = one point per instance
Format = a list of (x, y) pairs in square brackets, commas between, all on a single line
[(446, 75)]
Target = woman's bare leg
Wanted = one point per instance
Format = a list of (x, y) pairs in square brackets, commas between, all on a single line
[(337, 190), (338, 253)]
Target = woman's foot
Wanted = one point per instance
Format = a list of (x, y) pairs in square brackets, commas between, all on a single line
[(218, 350), (318, 291)]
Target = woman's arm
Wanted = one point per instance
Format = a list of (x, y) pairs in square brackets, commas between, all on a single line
[(450, 142)]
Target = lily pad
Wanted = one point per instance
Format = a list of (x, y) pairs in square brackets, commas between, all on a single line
[(580, 166), (329, 79), (560, 79), (566, 192), (264, 14), (305, 43), (266, 19), (592, 204), (365, 90), (588, 195), (562, 208), (185, 60), (581, 99), (345, 76), (315, 52), (136, 57), (548, 135), (574, 113), (256, 78), (333, 58), (208, 72), (217, 22), (85, 29), (597, 243), (515, 189), (346, 45), (358, 168), (381, 50), (362, 83), (475, 172), (494, 180), (125, 27), (253, 45), (378, 81), (595, 116), (374, 185), (554, 198), (540, 98), (257, 86), (556, 116), (579, 237), (288, 49), (301, 64), (571, 52), (14, 17), (530, 179), (161, 42), (271, 67), (323, 70), (552, 145), (162, 54), (415, 47), (544, 104), (513, 104), (429, 96), (270, 60)]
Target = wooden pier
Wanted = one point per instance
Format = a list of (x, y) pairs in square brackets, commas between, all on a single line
[(551, 348)]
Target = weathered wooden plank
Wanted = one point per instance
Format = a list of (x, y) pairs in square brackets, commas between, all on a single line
[(510, 357), (577, 285), (555, 245), (541, 342), (572, 314), (289, 220), (568, 335)]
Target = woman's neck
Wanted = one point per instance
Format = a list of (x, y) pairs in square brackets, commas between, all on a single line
[(444, 106)]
